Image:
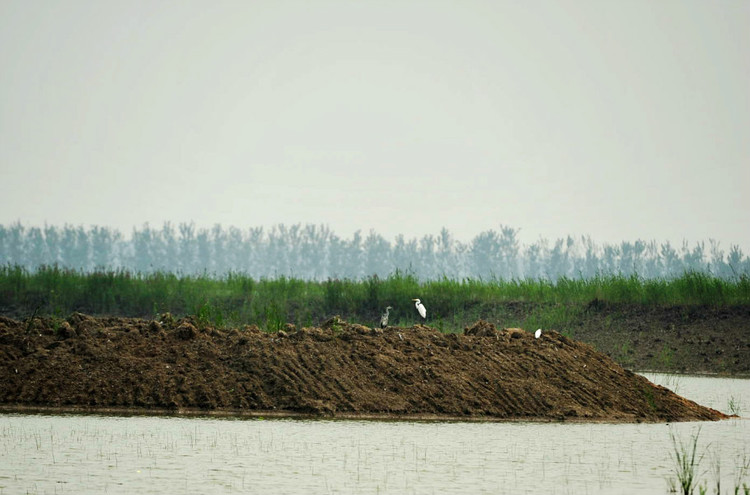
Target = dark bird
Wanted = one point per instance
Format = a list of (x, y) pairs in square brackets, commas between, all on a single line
[(384, 318)]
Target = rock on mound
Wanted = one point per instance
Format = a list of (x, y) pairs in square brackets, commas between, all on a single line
[(481, 329), (340, 369), (486, 329)]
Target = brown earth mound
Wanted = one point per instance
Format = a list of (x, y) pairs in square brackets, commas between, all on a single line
[(339, 369)]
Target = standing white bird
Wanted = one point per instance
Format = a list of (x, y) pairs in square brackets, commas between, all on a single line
[(384, 318), (538, 333), (420, 308)]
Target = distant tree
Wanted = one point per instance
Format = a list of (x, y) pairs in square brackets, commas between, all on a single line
[(462, 261), (52, 242), (170, 248), (236, 251), (404, 255), (204, 251), (157, 250), (188, 248), (610, 260), (589, 266), (143, 246), (670, 261), (377, 254), (693, 260), (4, 248), (323, 240), (292, 243), (534, 265), (446, 256), (485, 255), (307, 255), (83, 249), (218, 262), (629, 261), (315, 252), (4, 254), (336, 257), (255, 251), (558, 262), (278, 252), (735, 261), (717, 266), (14, 242), (34, 248), (75, 248), (103, 245), (508, 252), (651, 260), (354, 256), (631, 257), (425, 267), (639, 249)]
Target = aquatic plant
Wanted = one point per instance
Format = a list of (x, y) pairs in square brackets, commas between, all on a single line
[(672, 382), (735, 406), (716, 468), (740, 473), (686, 461)]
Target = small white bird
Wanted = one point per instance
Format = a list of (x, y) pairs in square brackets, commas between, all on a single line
[(420, 308), (538, 333)]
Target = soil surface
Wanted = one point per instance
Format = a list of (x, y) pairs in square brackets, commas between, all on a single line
[(674, 339), (336, 370), (683, 339)]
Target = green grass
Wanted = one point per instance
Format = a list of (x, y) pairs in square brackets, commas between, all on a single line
[(734, 406), (686, 462), (238, 299), (686, 467)]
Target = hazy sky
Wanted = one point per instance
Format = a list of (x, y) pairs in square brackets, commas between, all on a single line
[(615, 119)]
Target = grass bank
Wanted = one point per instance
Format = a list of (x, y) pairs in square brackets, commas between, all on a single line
[(236, 299), (695, 323)]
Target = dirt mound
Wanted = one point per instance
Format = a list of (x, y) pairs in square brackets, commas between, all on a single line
[(481, 329), (339, 369), (486, 329)]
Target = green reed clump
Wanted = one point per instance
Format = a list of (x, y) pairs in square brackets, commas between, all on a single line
[(686, 461), (734, 405), (742, 468), (236, 298)]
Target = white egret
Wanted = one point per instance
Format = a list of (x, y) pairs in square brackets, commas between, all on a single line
[(420, 308), (538, 333), (384, 318)]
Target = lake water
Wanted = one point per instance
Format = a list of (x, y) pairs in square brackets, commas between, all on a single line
[(57, 454)]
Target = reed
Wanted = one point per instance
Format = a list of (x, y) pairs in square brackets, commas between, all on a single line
[(686, 461), (236, 298)]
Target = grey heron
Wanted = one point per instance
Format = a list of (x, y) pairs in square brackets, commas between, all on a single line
[(420, 308), (384, 318)]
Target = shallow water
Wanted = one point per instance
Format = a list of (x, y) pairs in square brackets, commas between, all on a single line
[(140, 454)]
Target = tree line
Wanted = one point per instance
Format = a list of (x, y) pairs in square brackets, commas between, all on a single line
[(315, 252)]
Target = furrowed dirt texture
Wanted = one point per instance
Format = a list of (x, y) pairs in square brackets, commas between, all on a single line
[(337, 370)]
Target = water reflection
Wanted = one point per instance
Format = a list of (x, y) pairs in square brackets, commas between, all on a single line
[(97, 454)]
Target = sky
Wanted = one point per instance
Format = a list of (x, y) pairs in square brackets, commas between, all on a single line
[(618, 120)]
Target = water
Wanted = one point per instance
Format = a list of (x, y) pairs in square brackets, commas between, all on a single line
[(57, 454)]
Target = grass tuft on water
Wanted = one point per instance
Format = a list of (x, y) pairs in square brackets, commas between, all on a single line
[(686, 462)]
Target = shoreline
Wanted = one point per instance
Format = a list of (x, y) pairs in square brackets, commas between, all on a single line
[(262, 415)]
